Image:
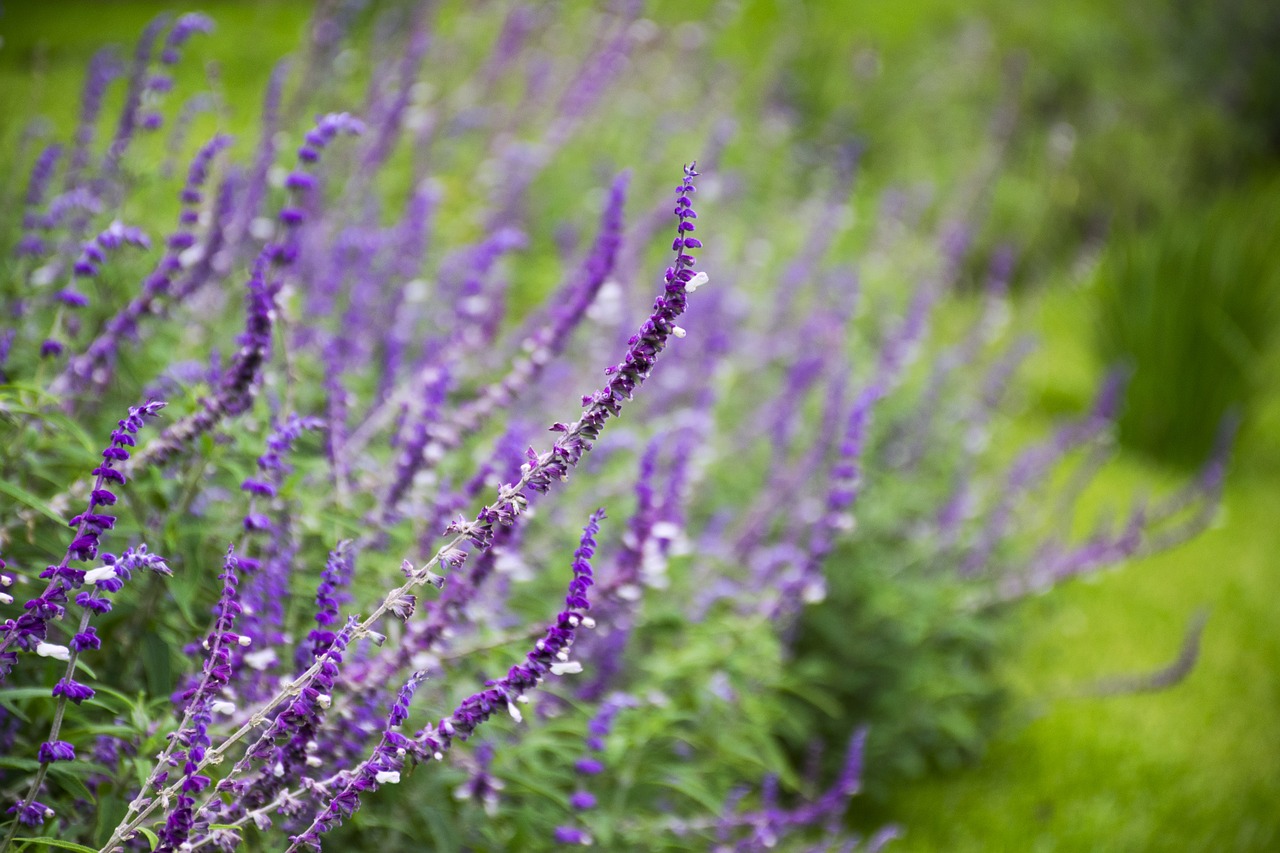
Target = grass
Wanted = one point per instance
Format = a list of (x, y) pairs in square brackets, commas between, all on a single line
[(1189, 768)]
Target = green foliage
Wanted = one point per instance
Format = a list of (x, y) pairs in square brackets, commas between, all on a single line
[(1193, 305), (702, 720), (1227, 52), (891, 648)]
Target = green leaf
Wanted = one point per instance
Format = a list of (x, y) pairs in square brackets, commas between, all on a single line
[(61, 845), (69, 776), (12, 693), (150, 836), (155, 659), (21, 495), (699, 795)]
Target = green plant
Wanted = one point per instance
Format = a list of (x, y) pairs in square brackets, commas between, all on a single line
[(1192, 306)]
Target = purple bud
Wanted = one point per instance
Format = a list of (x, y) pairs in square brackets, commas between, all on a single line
[(87, 639), (58, 750), (73, 690), (589, 766)]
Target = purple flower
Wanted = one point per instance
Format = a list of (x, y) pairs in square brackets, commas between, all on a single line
[(94, 364), (331, 594), (103, 69), (73, 690), (58, 750), (236, 389), (89, 525), (31, 813), (589, 766), (186, 26), (571, 835), (625, 377), (86, 639)]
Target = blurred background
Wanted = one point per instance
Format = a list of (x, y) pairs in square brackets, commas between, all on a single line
[(1126, 158)]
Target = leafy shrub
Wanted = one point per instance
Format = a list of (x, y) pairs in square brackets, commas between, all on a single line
[(328, 323), (1193, 305)]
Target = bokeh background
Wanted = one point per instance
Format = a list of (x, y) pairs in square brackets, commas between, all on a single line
[(1129, 157)]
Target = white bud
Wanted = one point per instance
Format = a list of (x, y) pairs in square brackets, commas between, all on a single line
[(387, 777), (569, 668), (52, 650), (102, 573), (814, 592), (5, 598), (313, 761), (324, 700), (665, 530), (245, 640), (261, 228), (696, 282), (221, 707), (44, 276), (678, 331), (514, 712), (191, 256)]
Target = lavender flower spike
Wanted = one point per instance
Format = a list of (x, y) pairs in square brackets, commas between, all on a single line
[(381, 768), (238, 386), (94, 364), (547, 658), (193, 735), (183, 28), (536, 474), (28, 630), (625, 377)]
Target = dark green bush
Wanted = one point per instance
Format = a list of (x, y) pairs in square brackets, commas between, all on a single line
[(1192, 305)]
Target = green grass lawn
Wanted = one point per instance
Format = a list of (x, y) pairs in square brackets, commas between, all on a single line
[(1193, 767)]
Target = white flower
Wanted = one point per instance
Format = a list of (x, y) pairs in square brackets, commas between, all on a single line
[(260, 660), (814, 592), (262, 228), (566, 668), (387, 777), (191, 256), (5, 598), (51, 650), (514, 712), (696, 282), (665, 530), (678, 331), (222, 707), (324, 700), (102, 573), (244, 640), (44, 276)]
